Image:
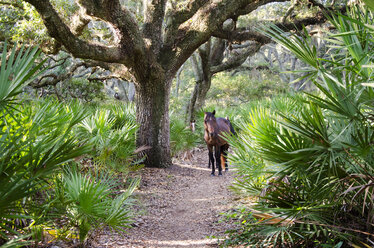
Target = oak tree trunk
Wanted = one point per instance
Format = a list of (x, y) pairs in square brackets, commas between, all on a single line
[(152, 114)]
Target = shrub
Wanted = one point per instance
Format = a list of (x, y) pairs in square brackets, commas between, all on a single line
[(112, 132), (81, 88), (316, 158), (181, 137), (36, 142), (32, 146), (89, 203)]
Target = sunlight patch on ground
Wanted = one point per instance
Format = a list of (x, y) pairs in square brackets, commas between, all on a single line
[(186, 242), (202, 199), (192, 167), (167, 243), (231, 168), (183, 243)]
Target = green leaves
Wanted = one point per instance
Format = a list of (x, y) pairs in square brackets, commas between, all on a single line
[(89, 204), (305, 51), (316, 156), (35, 141), (370, 4), (181, 137), (16, 72), (32, 149), (112, 134)]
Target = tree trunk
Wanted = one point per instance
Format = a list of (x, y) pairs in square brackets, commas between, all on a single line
[(203, 91), (190, 110), (203, 77), (198, 97), (152, 114), (178, 81), (191, 105)]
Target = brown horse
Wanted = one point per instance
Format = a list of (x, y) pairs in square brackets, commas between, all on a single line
[(215, 128)]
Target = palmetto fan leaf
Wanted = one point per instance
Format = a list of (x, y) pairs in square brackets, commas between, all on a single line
[(119, 214), (181, 137), (16, 72), (112, 135), (356, 38), (305, 51), (89, 202), (30, 154)]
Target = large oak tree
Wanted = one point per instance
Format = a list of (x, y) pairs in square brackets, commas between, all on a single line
[(152, 52)]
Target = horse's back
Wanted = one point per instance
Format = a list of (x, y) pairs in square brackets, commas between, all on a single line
[(223, 124)]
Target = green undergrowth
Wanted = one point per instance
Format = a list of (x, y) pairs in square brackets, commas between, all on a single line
[(306, 161), (59, 162)]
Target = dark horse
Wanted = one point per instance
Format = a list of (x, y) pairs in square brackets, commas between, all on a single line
[(215, 128)]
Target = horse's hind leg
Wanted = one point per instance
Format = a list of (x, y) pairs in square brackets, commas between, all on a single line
[(211, 159), (210, 155), (223, 161), (224, 150)]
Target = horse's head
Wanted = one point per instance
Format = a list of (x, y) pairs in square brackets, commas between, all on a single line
[(210, 123), (193, 125)]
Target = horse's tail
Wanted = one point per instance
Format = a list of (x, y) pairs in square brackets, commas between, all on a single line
[(232, 130)]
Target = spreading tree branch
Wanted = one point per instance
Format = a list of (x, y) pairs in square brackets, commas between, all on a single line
[(56, 78), (176, 17), (125, 27), (117, 72), (207, 19), (80, 21), (153, 19), (58, 62), (236, 59), (254, 5), (244, 34), (104, 78), (199, 28), (79, 48)]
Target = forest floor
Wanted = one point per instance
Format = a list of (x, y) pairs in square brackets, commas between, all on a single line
[(177, 207)]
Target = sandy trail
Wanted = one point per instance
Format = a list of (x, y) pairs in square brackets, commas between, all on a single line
[(179, 207)]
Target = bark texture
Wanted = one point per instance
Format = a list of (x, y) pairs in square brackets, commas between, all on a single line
[(152, 100)]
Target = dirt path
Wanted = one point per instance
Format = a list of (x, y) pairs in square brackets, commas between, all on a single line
[(179, 207)]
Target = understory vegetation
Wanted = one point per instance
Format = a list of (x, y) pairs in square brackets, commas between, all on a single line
[(58, 162), (307, 160), (65, 167), (69, 163)]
